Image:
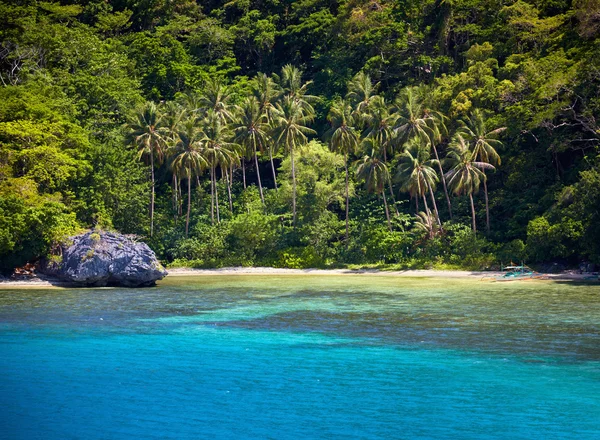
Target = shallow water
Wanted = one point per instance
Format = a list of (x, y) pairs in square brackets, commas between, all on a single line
[(289, 357)]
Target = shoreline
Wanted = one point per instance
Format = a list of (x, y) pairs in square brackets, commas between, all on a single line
[(44, 282), (427, 273)]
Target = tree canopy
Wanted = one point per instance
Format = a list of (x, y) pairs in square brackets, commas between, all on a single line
[(303, 133)]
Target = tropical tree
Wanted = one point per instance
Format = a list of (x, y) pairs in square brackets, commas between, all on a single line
[(219, 151), (344, 139), (483, 146), (379, 122), (250, 130), (428, 223), (374, 172), (291, 84), (147, 134), (267, 91), (173, 113), (290, 120), (188, 159), (416, 173), (415, 120), (360, 92), (217, 97), (466, 175)]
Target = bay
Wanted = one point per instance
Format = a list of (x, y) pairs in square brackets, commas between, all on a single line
[(302, 357)]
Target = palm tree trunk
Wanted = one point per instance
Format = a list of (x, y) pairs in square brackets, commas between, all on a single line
[(244, 172), (390, 185), (387, 211), (437, 214), (443, 179), (293, 186), (228, 190), (473, 214), (487, 206), (427, 210), (347, 197), (262, 197), (175, 196), (217, 198), (198, 186), (212, 195), (152, 196), (417, 203), (187, 216), (273, 168)]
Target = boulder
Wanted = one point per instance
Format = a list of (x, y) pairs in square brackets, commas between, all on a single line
[(101, 258)]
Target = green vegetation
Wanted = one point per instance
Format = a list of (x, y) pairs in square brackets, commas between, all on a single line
[(303, 133)]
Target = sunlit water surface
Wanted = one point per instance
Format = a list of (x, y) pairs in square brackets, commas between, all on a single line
[(289, 357)]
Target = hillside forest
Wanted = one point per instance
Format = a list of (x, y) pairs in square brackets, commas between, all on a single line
[(308, 133)]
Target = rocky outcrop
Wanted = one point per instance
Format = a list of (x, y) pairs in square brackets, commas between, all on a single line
[(101, 258)]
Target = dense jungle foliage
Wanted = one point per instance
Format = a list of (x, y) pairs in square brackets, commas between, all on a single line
[(308, 133)]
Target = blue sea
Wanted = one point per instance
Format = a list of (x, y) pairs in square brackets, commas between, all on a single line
[(302, 357)]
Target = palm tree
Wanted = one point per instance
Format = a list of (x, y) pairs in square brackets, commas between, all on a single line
[(290, 120), (415, 171), (466, 175), (267, 91), (251, 131), (291, 84), (426, 222), (218, 152), (344, 139), (379, 122), (374, 172), (484, 144), (216, 96), (360, 92), (172, 115), (188, 158), (414, 120), (147, 133)]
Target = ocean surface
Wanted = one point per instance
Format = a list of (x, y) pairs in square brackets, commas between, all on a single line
[(302, 357)]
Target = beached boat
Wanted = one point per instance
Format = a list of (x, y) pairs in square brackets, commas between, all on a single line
[(518, 272)]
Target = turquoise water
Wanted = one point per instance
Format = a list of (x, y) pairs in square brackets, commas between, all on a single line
[(316, 357)]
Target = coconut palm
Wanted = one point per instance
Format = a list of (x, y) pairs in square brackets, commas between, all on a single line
[(484, 144), (360, 92), (148, 135), (291, 84), (290, 120), (344, 139), (250, 130), (415, 120), (427, 222), (416, 173), (219, 152), (173, 113), (267, 91), (466, 175), (188, 158), (374, 172), (217, 97), (379, 122)]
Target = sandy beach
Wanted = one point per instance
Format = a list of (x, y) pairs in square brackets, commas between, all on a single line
[(37, 282)]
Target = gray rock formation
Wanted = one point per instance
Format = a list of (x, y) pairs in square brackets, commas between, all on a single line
[(106, 259)]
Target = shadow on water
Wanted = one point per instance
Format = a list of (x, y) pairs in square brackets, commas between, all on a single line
[(545, 318)]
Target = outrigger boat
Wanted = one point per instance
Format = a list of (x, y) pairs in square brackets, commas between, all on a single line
[(515, 272)]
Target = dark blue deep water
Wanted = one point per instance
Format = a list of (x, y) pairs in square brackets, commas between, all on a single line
[(287, 357)]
